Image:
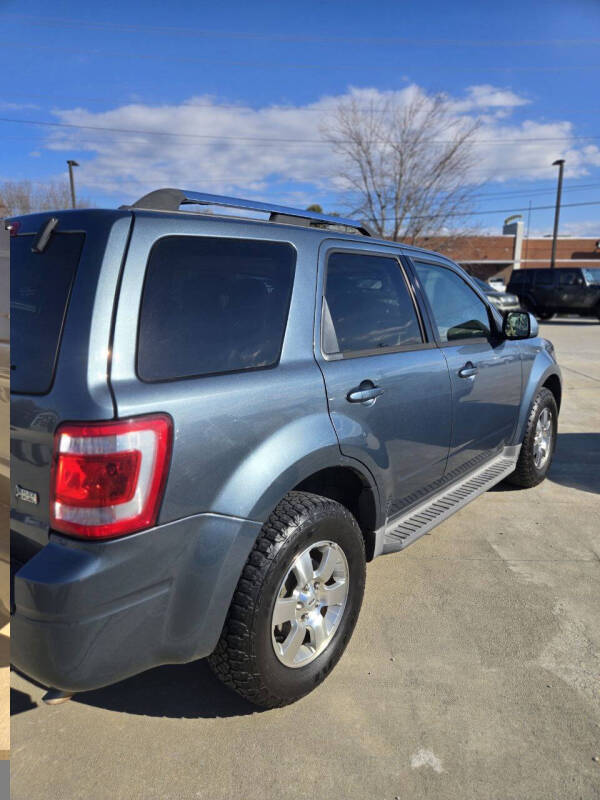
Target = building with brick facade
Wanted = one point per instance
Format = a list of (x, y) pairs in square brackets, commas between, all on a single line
[(496, 256)]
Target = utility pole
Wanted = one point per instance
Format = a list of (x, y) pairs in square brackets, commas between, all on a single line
[(560, 163), (72, 164)]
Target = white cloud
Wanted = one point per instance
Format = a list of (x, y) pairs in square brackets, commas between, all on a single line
[(588, 227), (484, 96), (128, 165)]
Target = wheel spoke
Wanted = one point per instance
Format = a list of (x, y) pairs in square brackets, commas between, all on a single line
[(306, 611), (325, 569), (285, 610), (334, 595), (303, 568), (293, 641), (318, 631)]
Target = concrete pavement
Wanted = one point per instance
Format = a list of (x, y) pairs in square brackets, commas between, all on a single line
[(473, 671)]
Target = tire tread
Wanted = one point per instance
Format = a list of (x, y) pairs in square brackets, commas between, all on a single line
[(231, 661)]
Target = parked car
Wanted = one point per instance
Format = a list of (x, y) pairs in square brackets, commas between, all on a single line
[(217, 421), (502, 300), (497, 284), (564, 290), (4, 427)]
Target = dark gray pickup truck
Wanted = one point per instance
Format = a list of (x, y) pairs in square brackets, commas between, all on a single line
[(218, 421)]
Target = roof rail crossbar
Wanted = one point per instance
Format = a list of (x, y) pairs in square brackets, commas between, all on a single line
[(172, 199)]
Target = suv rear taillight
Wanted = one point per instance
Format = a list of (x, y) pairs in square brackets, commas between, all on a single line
[(108, 477)]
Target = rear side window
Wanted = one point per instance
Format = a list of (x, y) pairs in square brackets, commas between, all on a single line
[(40, 287), (544, 277), (213, 305), (368, 306), (518, 278)]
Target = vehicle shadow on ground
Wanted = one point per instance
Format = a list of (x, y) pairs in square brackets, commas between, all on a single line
[(592, 321), (576, 461), (576, 464), (176, 690)]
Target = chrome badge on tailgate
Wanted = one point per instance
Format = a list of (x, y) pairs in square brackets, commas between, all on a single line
[(27, 495)]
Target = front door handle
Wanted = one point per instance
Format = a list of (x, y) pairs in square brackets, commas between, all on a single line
[(366, 393), (468, 371)]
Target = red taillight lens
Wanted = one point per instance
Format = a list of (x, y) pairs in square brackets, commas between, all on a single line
[(108, 477), (88, 481)]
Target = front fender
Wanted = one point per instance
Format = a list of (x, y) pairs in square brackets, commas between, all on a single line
[(293, 453), (538, 364)]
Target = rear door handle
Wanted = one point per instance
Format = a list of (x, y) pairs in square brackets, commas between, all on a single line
[(468, 371), (367, 392)]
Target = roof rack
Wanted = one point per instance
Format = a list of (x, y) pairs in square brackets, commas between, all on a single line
[(171, 199)]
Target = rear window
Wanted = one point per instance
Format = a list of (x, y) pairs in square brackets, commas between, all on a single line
[(213, 305), (40, 287)]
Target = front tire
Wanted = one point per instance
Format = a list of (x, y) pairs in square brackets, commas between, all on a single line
[(296, 603), (539, 442)]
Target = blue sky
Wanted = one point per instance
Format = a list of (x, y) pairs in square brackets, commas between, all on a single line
[(240, 71)]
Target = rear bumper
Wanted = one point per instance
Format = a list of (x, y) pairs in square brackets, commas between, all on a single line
[(87, 614)]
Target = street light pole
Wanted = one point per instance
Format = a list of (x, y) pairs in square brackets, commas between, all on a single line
[(72, 164), (561, 165)]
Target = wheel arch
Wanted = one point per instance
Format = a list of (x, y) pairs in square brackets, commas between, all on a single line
[(554, 384), (544, 373), (350, 487)]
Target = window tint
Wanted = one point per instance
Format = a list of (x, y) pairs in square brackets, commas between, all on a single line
[(213, 305), (40, 286), (570, 277), (518, 278), (544, 277), (458, 311), (368, 306)]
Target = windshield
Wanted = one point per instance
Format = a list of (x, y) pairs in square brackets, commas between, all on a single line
[(592, 276), (40, 286)]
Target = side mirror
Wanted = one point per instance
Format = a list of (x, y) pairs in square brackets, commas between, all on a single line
[(519, 325)]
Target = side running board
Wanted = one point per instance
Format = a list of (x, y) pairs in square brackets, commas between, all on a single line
[(407, 528)]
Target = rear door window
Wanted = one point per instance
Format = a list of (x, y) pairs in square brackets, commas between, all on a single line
[(213, 305), (40, 287), (569, 277), (368, 307)]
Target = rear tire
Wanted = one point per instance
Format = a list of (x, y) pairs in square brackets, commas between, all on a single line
[(255, 655), (539, 442)]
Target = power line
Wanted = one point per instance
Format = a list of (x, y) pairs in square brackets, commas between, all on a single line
[(285, 37), (263, 140), (538, 191), (249, 109), (496, 211), (279, 65), (84, 144)]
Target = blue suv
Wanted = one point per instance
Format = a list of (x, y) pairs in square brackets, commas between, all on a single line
[(217, 421)]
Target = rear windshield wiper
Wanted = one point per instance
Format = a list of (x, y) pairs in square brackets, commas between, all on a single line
[(43, 235)]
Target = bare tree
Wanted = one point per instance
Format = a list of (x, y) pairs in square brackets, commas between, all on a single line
[(405, 162), (24, 197)]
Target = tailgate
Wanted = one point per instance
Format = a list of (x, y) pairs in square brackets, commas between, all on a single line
[(61, 301)]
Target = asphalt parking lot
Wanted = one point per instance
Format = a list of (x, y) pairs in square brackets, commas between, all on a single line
[(474, 671)]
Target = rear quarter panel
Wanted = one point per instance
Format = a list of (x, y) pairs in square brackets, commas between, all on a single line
[(241, 440)]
